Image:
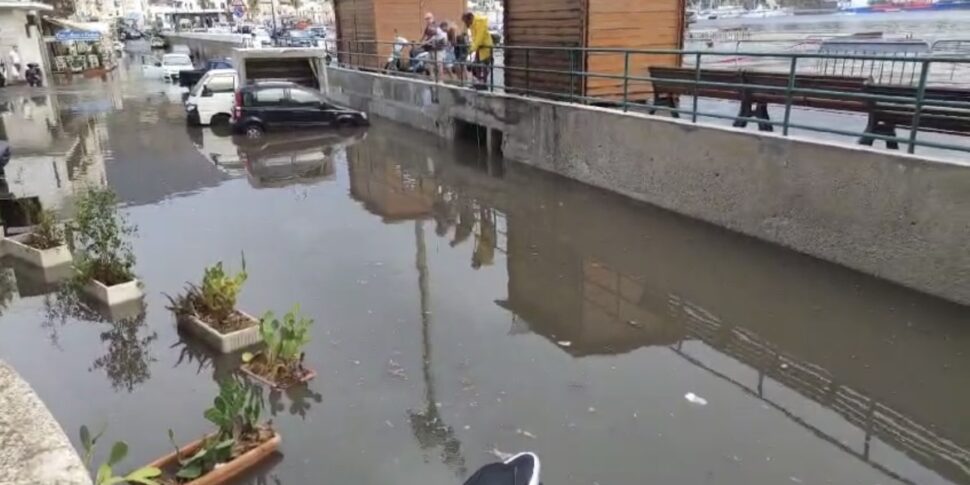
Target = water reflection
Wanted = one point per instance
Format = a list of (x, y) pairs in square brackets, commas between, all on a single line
[(597, 274), (127, 359), (296, 158)]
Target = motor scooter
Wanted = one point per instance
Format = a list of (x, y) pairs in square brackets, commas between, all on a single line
[(33, 75), (418, 58)]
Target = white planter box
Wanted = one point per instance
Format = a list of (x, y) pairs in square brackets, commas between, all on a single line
[(113, 295), (44, 258), (224, 343)]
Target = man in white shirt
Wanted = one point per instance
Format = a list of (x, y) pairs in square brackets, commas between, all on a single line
[(14, 62)]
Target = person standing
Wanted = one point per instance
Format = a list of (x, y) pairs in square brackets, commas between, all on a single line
[(481, 45), (428, 26), (15, 66)]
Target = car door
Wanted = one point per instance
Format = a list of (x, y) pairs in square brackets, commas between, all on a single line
[(269, 105), (308, 107)]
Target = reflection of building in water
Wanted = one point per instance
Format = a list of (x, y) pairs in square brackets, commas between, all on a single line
[(53, 156), (385, 189), (636, 279)]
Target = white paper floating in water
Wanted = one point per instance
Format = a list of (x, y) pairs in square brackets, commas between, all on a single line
[(564, 343), (695, 399)]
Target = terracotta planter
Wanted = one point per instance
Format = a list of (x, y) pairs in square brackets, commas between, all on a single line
[(223, 342), (307, 376), (227, 471), (44, 258)]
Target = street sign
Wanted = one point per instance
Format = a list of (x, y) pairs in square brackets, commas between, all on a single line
[(238, 11), (78, 35)]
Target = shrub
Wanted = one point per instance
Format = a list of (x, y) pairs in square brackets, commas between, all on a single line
[(105, 474), (48, 233), (100, 234)]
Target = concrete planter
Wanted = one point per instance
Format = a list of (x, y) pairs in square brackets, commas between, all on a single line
[(223, 342), (44, 258), (115, 294), (225, 472)]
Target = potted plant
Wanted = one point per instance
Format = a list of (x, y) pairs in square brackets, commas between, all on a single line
[(103, 257), (280, 364), (240, 442), (209, 311), (44, 246), (105, 474)]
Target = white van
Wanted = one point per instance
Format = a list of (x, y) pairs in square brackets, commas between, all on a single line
[(212, 98)]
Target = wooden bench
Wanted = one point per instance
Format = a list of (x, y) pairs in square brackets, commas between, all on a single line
[(886, 116), (753, 96), (757, 98), (667, 93)]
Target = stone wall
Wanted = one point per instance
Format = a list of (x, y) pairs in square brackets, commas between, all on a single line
[(894, 216)]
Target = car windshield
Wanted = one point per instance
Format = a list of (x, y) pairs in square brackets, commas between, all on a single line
[(176, 60)]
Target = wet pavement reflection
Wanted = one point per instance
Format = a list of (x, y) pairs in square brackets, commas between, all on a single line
[(466, 307)]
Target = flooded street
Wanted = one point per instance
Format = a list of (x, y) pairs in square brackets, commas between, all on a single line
[(465, 307)]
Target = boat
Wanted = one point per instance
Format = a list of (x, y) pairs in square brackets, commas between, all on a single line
[(866, 6)]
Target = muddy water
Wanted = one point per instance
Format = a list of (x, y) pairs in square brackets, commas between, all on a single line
[(462, 307)]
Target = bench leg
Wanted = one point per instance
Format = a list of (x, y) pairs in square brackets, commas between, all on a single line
[(871, 128), (762, 113), (889, 129), (745, 112)]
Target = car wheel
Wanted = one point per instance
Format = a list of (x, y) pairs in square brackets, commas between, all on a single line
[(219, 120), (345, 123), (254, 131)]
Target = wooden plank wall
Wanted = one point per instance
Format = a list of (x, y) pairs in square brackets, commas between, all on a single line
[(406, 18), (356, 32), (545, 23), (631, 24)]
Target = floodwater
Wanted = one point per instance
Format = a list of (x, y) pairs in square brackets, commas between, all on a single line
[(465, 306)]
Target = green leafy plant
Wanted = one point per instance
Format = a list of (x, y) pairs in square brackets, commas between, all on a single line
[(48, 233), (220, 290), (105, 474), (212, 452), (216, 298), (236, 409), (285, 339), (100, 234)]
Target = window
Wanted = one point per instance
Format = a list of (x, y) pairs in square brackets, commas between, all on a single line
[(303, 96), (270, 95), (221, 84)]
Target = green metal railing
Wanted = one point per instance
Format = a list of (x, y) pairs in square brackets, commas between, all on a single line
[(925, 108)]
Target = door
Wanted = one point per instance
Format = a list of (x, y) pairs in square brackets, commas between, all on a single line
[(308, 107), (269, 105), (216, 97)]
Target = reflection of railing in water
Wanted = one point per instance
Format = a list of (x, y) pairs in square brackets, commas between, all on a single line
[(814, 382)]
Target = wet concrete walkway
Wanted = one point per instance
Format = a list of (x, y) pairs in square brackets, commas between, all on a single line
[(462, 307)]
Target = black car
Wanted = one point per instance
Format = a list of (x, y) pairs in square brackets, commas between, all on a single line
[(279, 105)]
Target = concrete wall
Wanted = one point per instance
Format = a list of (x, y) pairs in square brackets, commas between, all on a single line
[(894, 216), (33, 447)]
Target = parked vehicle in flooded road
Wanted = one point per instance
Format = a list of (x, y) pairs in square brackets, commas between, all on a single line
[(269, 106)]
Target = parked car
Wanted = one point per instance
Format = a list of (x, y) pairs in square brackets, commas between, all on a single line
[(274, 105), (173, 64), (211, 99), (187, 79), (298, 38)]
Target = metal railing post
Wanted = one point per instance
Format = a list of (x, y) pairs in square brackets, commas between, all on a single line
[(626, 79), (788, 95), (697, 81), (917, 111), (528, 84)]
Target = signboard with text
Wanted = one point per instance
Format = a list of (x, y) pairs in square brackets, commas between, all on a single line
[(77, 35)]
